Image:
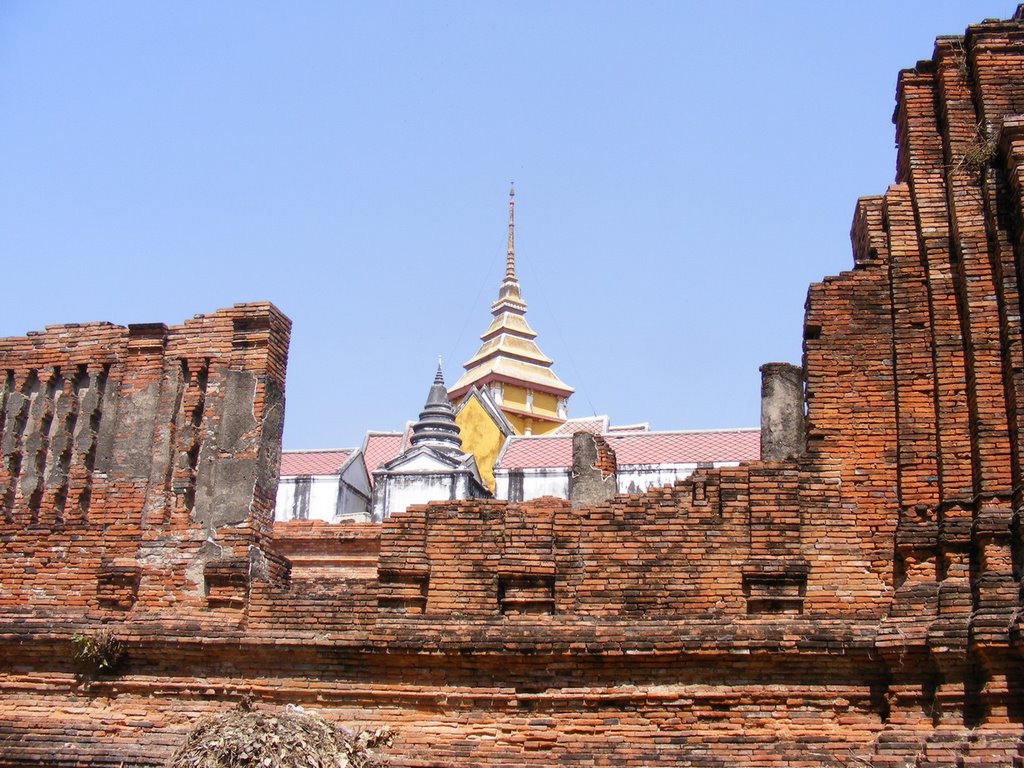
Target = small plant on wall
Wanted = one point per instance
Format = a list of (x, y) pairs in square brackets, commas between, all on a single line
[(100, 651), (980, 153)]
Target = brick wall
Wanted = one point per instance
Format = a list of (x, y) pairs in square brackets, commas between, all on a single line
[(856, 605), (136, 462)]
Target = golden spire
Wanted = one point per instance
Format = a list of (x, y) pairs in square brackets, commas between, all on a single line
[(510, 259), (509, 289), (509, 353)]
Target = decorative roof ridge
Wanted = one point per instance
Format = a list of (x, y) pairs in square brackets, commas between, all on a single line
[(640, 426)]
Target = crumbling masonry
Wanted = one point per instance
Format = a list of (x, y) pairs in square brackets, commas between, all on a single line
[(853, 600)]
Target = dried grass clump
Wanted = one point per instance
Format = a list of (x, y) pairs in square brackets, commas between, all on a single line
[(982, 150), (101, 650), (981, 153), (292, 738)]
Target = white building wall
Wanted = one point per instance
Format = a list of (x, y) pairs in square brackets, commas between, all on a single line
[(536, 483), (396, 493), (635, 478), (346, 497), (545, 484), (354, 493), (638, 478), (331, 498), (307, 498)]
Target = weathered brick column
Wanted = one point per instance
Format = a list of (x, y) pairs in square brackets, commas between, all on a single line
[(782, 411)]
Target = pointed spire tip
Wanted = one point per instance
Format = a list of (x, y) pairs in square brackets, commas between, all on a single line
[(510, 257)]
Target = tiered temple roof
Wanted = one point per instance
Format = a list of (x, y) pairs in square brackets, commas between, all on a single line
[(509, 353)]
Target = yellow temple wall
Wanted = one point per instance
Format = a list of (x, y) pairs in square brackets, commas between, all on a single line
[(481, 437), (545, 403), (514, 396)]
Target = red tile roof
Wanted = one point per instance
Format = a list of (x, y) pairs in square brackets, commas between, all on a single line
[(543, 452), (595, 425), (380, 448), (712, 446), (313, 462)]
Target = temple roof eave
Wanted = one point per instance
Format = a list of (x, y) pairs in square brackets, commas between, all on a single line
[(526, 413), (512, 347), (509, 353), (507, 371), (509, 322)]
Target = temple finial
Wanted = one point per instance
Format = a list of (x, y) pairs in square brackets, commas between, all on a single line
[(436, 427), (510, 259)]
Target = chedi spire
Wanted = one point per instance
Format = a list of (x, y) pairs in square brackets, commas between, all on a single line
[(509, 357), (510, 258), (436, 426), (509, 295)]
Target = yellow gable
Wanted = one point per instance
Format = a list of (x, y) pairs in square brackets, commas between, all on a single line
[(480, 437)]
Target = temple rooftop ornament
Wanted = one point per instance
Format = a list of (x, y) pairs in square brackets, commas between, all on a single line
[(509, 363), (433, 467), (436, 426)]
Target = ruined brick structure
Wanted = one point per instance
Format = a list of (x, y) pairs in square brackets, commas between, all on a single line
[(852, 601)]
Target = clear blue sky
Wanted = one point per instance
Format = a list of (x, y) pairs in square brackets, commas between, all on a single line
[(683, 171)]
